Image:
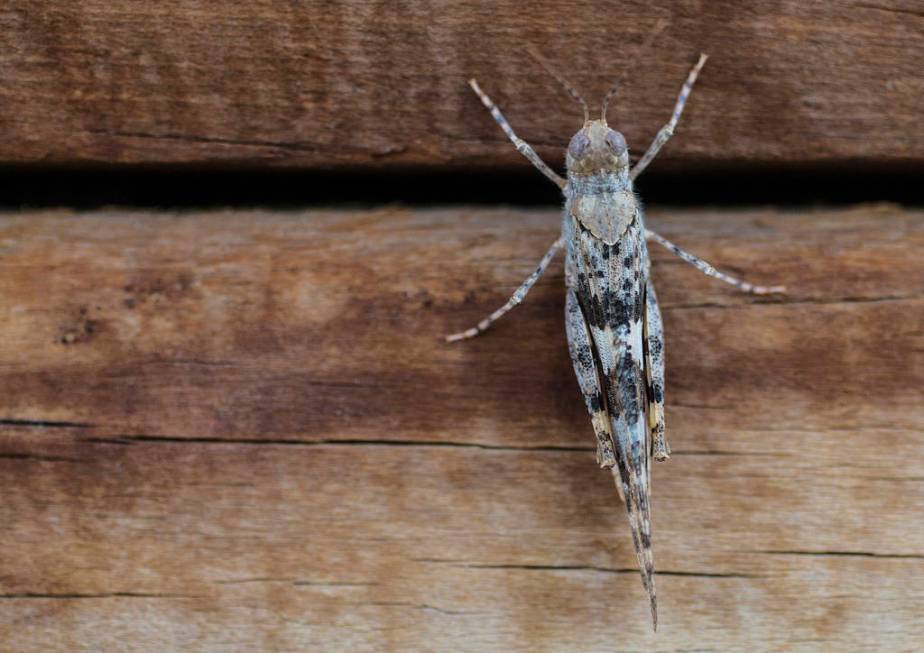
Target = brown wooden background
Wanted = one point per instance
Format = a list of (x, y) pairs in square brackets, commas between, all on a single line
[(362, 84), (238, 429)]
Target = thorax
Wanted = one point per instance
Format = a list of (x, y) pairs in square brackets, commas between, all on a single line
[(603, 202)]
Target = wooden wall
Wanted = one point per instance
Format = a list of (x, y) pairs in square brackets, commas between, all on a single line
[(362, 84), (239, 429)]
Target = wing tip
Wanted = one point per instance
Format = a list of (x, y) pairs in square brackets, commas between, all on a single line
[(654, 610), (649, 585), (640, 524)]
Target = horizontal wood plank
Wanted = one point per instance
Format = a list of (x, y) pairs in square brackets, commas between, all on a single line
[(240, 430), (354, 84)]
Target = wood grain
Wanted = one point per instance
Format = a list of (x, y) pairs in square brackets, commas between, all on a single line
[(240, 431), (358, 84)]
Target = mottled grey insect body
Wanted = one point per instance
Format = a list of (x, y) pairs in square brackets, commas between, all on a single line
[(612, 320), (606, 275)]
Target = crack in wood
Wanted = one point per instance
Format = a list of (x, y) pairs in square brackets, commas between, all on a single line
[(129, 439), (48, 424), (417, 606), (294, 582), (101, 595), (193, 138), (717, 452), (891, 10), (41, 458), (844, 554), (605, 570), (793, 302)]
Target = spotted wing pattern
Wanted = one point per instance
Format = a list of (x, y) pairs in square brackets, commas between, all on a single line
[(608, 286)]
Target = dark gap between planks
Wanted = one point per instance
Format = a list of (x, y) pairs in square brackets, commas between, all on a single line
[(192, 188)]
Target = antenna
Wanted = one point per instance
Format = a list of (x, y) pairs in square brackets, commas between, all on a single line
[(658, 28), (561, 80)]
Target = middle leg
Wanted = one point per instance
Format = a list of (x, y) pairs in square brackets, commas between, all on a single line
[(710, 271), (515, 299)]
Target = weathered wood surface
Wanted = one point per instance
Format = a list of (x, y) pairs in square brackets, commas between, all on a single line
[(383, 85), (240, 431)]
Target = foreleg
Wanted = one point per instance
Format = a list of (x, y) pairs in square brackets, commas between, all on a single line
[(668, 130), (522, 146)]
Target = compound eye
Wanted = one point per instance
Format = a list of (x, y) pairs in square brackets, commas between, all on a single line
[(616, 141), (578, 145)]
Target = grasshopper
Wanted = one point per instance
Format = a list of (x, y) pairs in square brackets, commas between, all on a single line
[(612, 320)]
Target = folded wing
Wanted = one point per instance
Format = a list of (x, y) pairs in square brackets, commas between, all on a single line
[(609, 283)]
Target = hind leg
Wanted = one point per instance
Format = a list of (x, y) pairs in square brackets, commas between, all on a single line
[(654, 354), (585, 368)]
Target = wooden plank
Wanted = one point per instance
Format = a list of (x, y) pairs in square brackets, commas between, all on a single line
[(240, 430), (353, 84)]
